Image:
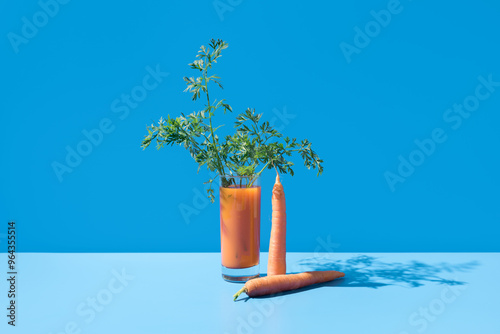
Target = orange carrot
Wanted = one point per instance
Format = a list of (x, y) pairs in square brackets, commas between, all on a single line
[(276, 264), (273, 284)]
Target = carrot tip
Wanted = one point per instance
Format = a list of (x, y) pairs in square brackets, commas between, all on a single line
[(237, 294)]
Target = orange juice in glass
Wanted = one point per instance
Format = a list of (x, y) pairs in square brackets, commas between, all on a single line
[(240, 227)]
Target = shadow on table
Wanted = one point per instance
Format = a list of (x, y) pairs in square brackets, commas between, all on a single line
[(370, 272)]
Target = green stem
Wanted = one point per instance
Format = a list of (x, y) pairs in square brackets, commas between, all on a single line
[(221, 166), (257, 175), (237, 294)]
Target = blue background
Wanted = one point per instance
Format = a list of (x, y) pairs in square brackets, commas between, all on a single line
[(360, 116)]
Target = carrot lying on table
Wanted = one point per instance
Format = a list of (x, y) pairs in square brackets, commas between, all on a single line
[(276, 264), (273, 284)]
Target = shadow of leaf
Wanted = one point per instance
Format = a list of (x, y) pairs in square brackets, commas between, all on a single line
[(370, 272)]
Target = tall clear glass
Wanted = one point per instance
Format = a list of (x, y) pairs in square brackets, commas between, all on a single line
[(240, 227)]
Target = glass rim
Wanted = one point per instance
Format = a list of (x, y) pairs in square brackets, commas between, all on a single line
[(238, 176)]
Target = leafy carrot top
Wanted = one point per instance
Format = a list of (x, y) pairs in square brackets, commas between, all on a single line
[(252, 148)]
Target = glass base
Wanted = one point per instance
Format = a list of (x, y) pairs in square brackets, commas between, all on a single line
[(240, 275)]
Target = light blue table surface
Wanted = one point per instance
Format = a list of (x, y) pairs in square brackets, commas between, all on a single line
[(400, 293)]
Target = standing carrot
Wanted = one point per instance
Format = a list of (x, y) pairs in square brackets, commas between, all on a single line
[(276, 264), (273, 284)]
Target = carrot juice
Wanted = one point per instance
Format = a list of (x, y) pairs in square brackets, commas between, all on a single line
[(240, 226)]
